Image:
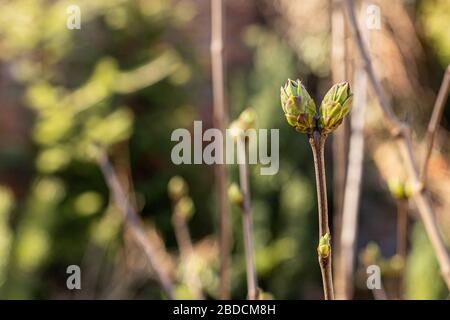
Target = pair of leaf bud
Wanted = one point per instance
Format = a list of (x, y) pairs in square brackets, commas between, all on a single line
[(371, 255), (400, 190), (301, 112), (178, 193)]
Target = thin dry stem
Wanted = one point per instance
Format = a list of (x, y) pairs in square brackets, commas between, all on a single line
[(403, 136), (402, 238), (317, 142), (247, 223), (436, 117), (220, 121), (339, 68), (184, 242), (182, 236), (352, 192), (133, 222), (402, 227)]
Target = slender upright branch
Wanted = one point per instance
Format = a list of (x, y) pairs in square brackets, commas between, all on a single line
[(436, 117), (340, 137), (402, 237), (341, 134), (317, 142), (182, 236), (185, 246), (247, 221), (402, 133), (352, 192), (132, 221), (220, 121)]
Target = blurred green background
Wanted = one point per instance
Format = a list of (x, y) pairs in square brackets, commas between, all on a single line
[(137, 70)]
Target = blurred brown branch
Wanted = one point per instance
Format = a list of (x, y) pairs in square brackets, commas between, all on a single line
[(436, 117), (187, 255), (347, 237), (247, 223), (220, 122), (402, 239), (339, 69), (401, 132), (132, 221), (353, 181)]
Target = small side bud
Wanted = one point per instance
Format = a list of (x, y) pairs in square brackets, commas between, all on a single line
[(324, 246), (235, 195)]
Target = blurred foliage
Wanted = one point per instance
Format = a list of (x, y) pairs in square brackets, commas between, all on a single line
[(78, 83), (6, 205), (435, 16), (423, 274)]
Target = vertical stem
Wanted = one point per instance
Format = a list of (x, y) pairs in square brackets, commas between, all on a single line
[(182, 235), (184, 242), (352, 193), (402, 237), (317, 142), (402, 226), (247, 223), (220, 119), (340, 139)]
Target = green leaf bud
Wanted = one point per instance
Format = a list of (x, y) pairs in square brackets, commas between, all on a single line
[(334, 107), (298, 106), (324, 246)]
